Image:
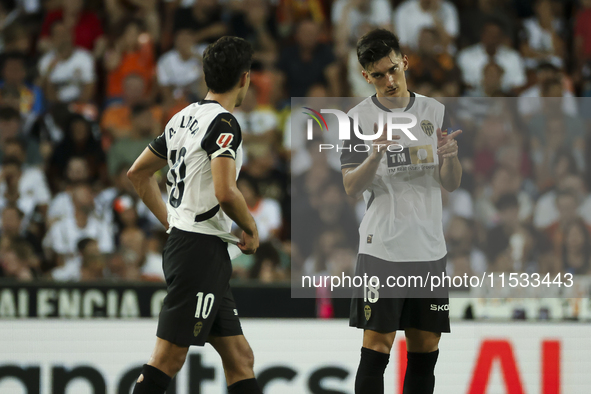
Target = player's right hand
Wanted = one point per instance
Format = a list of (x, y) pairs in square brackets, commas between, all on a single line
[(380, 144), (248, 243)]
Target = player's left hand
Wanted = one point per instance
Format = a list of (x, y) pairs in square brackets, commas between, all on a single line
[(447, 146)]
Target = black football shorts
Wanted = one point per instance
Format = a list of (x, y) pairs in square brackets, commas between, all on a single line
[(199, 302), (400, 309)]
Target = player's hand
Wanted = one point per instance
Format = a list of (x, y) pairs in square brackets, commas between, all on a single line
[(447, 146), (380, 144), (248, 243)]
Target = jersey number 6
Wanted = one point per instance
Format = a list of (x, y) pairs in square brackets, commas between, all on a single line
[(178, 172)]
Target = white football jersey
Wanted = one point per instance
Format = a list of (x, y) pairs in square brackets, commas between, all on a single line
[(192, 138), (403, 218)]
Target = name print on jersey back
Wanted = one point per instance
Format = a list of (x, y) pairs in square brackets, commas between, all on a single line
[(193, 137)]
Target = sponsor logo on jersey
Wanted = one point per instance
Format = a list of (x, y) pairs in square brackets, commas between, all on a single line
[(228, 121), (422, 154), (367, 311), (439, 308), (197, 328), (369, 238), (225, 139), (427, 127), (235, 312)]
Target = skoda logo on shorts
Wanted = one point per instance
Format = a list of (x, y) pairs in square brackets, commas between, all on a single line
[(427, 127), (367, 311), (197, 329)]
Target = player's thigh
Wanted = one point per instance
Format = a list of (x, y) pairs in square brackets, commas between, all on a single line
[(378, 341), (168, 357), (420, 341)]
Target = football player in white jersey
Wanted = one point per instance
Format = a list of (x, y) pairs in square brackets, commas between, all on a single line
[(202, 145), (402, 225)]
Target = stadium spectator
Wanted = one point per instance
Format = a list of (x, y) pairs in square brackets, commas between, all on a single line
[(140, 262), (116, 121), (180, 74), (146, 11), (92, 266), (509, 244), (546, 211), (291, 12), (552, 130), (475, 15), (131, 53), (85, 25), (61, 241), (430, 62), (24, 187), (11, 134), (267, 267), (258, 123), (76, 171), (567, 205), (255, 23), (542, 37), (12, 230), (504, 181), (67, 72), (30, 97), (125, 150), (265, 211), (308, 62), (530, 101), (17, 38), (80, 142), (582, 35), (576, 249), (491, 47), (204, 19), (412, 16), (352, 18), (16, 261), (461, 244)]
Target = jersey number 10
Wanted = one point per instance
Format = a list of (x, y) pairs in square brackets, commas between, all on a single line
[(204, 306), (178, 172)]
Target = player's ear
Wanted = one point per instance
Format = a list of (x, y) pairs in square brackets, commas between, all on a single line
[(244, 78), (365, 75), (405, 62)]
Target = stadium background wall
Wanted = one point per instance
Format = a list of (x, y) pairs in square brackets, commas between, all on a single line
[(294, 356)]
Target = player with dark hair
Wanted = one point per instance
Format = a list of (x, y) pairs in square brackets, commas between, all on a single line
[(402, 226), (202, 144)]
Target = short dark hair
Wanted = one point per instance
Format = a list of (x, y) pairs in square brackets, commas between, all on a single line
[(16, 141), (21, 57), (83, 243), (9, 113), (376, 45), (139, 109), (507, 201), (224, 61)]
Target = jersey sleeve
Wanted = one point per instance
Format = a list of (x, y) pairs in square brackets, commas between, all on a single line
[(350, 157), (223, 137), (158, 146)]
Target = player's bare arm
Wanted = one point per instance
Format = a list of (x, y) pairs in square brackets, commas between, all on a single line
[(357, 179), (144, 182), (450, 169), (223, 171)]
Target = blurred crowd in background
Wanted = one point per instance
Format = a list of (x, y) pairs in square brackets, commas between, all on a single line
[(85, 85)]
